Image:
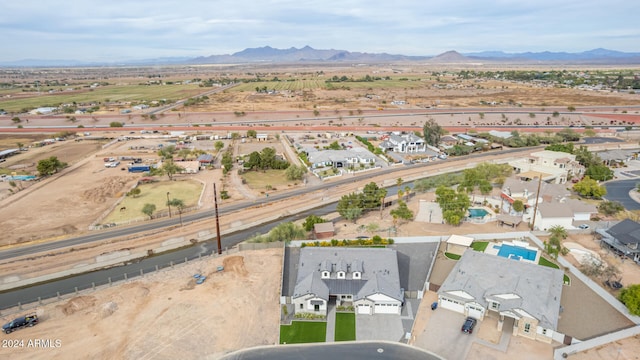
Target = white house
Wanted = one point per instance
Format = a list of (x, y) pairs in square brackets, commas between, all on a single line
[(525, 191), (339, 158), (367, 278), (563, 213), (525, 296), (553, 166), (408, 143)]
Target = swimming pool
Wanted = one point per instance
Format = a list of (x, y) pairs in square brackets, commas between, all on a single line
[(478, 213), (21, 177), (516, 252)]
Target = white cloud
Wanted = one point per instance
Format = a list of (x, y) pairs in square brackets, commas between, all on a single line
[(91, 29)]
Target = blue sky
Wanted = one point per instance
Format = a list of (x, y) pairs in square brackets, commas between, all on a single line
[(101, 30)]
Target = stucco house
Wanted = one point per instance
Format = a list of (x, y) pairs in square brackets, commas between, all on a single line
[(624, 238), (525, 191), (563, 213), (339, 158), (366, 278), (554, 166), (407, 143), (525, 296)]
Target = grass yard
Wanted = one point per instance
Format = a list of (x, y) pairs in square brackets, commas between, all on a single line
[(479, 245), (300, 332), (452, 256), (345, 327), (156, 193), (262, 180)]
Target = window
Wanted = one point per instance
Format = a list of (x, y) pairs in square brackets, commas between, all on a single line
[(301, 306), (527, 327), (356, 275), (341, 274), (544, 331), (495, 305), (325, 275), (316, 307)]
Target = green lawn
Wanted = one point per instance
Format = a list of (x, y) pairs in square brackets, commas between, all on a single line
[(303, 332), (345, 327), (156, 193), (260, 180), (452, 256), (479, 245)]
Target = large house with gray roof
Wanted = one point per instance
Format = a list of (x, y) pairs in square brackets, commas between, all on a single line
[(367, 278), (407, 143), (527, 295), (624, 238)]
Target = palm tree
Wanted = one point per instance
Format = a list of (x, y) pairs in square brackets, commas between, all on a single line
[(558, 231)]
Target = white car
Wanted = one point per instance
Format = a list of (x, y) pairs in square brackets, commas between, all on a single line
[(584, 227), (112, 164)]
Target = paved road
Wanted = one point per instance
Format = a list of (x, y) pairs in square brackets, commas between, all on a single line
[(348, 350), (619, 191)]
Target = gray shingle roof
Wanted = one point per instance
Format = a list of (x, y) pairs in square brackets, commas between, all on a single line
[(485, 277), (626, 231), (378, 267)]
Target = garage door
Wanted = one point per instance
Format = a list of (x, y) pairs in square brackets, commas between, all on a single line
[(385, 309), (364, 309), (475, 312), (452, 305)]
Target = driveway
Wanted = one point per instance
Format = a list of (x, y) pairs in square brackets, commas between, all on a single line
[(619, 191), (443, 337), (379, 327)]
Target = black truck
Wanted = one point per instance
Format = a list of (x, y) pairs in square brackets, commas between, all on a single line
[(28, 320)]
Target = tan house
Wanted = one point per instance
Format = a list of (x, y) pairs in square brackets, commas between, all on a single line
[(554, 166), (457, 244), (524, 296)]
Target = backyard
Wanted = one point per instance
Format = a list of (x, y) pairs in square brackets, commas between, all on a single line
[(130, 208)]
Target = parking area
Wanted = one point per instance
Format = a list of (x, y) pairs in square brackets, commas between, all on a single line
[(442, 335)]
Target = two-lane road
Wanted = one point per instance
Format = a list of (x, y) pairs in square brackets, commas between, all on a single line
[(619, 191)]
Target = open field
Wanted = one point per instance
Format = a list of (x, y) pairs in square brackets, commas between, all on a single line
[(156, 194), (267, 180)]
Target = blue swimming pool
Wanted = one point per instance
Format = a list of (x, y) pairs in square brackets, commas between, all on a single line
[(478, 213), (515, 252)]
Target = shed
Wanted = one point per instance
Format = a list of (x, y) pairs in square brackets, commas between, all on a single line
[(205, 159), (457, 244), (323, 230)]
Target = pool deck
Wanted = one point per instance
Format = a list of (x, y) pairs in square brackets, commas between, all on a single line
[(493, 251)]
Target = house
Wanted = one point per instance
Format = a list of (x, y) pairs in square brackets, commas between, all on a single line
[(408, 143), (190, 167), (525, 191), (323, 230), (554, 166), (367, 278), (339, 158), (523, 293), (616, 156), (564, 213), (205, 159), (624, 238), (448, 141), (458, 244)]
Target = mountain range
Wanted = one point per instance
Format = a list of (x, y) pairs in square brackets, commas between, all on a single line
[(308, 54)]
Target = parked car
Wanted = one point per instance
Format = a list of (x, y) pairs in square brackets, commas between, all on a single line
[(19, 323), (584, 226), (468, 325)]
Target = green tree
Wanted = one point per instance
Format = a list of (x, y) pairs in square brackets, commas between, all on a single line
[(610, 207), (334, 146), (170, 168), (599, 172), (135, 192), (50, 166), (518, 206), (184, 153), (559, 231), (295, 172), (179, 205), (252, 133), (372, 228), (588, 187), (115, 124), (149, 209), (630, 297), (267, 158), (227, 162), (402, 211), (311, 220), (350, 206), (254, 161), (218, 145), (167, 152), (454, 204), (16, 120), (432, 132)]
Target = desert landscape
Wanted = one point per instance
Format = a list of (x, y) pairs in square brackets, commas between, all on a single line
[(165, 314)]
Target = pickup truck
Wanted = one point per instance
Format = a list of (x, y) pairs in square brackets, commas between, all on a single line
[(28, 320)]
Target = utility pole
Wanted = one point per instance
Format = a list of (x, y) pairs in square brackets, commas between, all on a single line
[(215, 202), (169, 204), (535, 208)]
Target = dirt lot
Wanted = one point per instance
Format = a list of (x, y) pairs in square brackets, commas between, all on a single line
[(166, 315)]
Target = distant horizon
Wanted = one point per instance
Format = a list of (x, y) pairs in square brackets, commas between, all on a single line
[(118, 30)]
